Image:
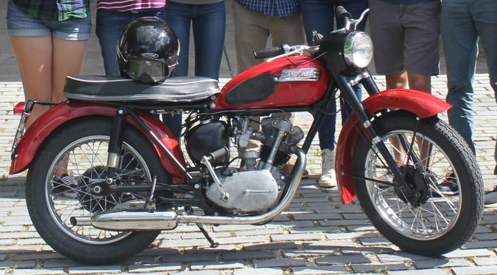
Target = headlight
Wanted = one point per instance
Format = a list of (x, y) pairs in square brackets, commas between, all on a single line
[(358, 49)]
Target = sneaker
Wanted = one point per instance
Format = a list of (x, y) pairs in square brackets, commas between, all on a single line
[(448, 187), (491, 198), (68, 184), (328, 176)]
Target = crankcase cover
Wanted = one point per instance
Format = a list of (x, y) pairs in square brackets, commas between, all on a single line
[(248, 191)]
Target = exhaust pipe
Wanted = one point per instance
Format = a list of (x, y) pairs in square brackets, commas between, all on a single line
[(129, 220), (164, 220)]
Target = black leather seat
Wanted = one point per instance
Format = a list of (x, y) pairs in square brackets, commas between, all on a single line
[(120, 89)]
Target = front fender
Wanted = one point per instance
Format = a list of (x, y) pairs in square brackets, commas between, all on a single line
[(422, 104), (67, 111)]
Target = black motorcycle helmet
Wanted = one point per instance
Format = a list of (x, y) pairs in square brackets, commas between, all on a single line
[(148, 50)]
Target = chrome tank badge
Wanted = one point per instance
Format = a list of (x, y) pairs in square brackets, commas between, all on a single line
[(302, 74)]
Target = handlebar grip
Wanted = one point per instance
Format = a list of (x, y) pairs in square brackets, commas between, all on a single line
[(342, 13), (268, 52)]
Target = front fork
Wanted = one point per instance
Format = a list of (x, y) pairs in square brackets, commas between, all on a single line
[(345, 85)]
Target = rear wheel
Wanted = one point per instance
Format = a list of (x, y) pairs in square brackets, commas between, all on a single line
[(421, 218), (78, 153)]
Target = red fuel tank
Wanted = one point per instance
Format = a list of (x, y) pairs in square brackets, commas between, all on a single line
[(285, 82)]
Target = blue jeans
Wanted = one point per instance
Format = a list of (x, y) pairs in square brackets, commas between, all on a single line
[(463, 22), (109, 26), (318, 15), (208, 22)]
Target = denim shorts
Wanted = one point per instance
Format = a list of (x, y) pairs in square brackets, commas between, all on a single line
[(21, 24)]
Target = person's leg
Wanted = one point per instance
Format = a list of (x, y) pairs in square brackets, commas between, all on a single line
[(460, 43), (287, 30), (179, 17), (209, 26), (421, 33), (35, 70), (109, 26), (64, 50), (29, 36), (486, 25), (317, 15), (251, 34)]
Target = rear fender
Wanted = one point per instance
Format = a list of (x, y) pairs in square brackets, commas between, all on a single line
[(65, 112), (422, 104)]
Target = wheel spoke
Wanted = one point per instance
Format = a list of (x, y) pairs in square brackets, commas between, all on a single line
[(393, 203), (86, 161)]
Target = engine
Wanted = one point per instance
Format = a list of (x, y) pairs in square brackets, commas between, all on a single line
[(255, 187)]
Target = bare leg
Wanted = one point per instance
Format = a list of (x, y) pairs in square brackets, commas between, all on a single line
[(67, 59), (420, 82), (34, 57)]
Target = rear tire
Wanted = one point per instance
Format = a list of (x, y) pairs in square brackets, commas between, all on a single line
[(79, 148), (434, 223)]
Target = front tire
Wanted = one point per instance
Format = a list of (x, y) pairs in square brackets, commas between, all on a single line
[(423, 219), (79, 149)]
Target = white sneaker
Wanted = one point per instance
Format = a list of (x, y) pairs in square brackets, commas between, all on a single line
[(491, 198), (328, 176)]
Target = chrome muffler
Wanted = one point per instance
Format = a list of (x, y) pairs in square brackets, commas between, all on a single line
[(167, 220), (129, 220)]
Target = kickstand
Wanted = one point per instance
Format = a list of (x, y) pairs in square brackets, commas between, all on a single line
[(206, 234)]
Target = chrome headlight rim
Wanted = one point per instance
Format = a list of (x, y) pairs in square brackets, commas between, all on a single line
[(358, 49)]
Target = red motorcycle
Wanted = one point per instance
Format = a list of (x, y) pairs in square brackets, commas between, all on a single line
[(125, 177)]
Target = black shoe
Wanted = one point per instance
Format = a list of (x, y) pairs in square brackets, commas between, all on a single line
[(448, 187)]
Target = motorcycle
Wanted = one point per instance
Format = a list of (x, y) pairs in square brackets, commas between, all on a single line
[(130, 179)]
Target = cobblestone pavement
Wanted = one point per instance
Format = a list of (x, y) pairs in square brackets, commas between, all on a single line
[(316, 235)]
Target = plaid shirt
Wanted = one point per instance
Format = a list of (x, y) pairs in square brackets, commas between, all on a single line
[(279, 8), (54, 9)]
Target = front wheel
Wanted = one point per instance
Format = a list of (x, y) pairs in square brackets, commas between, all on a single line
[(440, 201), (67, 178)]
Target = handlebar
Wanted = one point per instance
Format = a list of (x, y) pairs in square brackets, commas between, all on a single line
[(269, 52), (343, 15), (283, 51)]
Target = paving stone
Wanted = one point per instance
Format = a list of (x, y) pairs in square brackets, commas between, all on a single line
[(439, 263), (319, 270), (279, 262), (39, 271), (475, 270), (485, 261), (378, 268), (460, 253), (343, 259), (419, 272), (248, 255), (270, 246), (265, 271)]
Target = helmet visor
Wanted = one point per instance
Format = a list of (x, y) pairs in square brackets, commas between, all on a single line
[(148, 70)]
